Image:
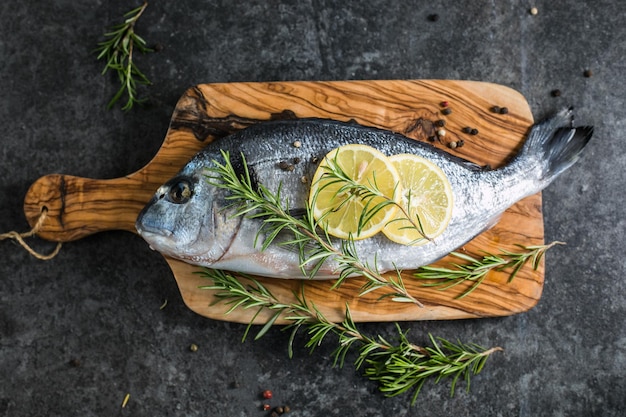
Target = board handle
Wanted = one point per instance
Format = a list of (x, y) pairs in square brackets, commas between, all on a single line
[(77, 207)]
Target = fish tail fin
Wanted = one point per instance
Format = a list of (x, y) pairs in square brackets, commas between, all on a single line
[(556, 144)]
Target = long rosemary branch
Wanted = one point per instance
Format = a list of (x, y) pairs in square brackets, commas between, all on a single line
[(398, 367), (476, 270), (118, 51), (267, 206)]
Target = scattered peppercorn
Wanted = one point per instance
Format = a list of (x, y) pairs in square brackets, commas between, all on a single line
[(504, 110), (495, 109), (588, 73), (474, 132), (444, 104), (446, 111), (279, 410), (75, 363), (314, 159), (555, 93), (433, 17), (440, 123), (158, 47), (274, 414), (467, 129), (534, 11), (452, 145), (304, 179), (267, 394), (460, 143), (296, 160), (431, 138), (193, 347), (266, 407), (286, 408), (286, 166), (297, 144)]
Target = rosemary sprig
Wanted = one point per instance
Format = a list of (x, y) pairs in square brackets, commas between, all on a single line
[(397, 367), (118, 51), (476, 270), (314, 245)]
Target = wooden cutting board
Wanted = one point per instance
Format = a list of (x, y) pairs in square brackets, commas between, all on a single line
[(77, 207)]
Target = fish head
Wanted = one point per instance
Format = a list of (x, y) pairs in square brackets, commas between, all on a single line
[(183, 219)]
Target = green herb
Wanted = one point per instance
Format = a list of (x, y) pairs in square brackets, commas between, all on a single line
[(314, 245), (398, 367), (118, 51), (476, 270)]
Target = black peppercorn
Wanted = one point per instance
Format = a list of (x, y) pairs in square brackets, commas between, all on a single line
[(433, 17), (440, 123), (474, 131), (467, 129), (495, 109), (588, 73), (504, 110), (555, 93)]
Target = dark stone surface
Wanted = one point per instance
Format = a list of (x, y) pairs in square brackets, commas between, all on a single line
[(80, 331)]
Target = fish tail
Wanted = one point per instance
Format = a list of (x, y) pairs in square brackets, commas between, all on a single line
[(555, 144)]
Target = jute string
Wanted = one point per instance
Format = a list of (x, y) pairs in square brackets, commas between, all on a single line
[(19, 237)]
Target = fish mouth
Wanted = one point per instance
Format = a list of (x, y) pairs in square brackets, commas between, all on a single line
[(158, 238), (145, 227), (144, 231)]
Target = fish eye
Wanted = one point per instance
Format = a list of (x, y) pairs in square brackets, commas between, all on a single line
[(180, 192)]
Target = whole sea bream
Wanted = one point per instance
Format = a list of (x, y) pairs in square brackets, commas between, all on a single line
[(190, 219)]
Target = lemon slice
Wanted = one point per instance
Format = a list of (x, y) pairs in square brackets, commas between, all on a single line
[(426, 195), (339, 207)]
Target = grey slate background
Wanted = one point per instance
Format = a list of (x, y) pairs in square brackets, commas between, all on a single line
[(97, 304)]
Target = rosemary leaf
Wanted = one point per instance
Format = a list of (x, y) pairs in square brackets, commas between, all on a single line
[(267, 325)]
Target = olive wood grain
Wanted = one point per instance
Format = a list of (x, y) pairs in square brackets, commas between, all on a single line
[(78, 207)]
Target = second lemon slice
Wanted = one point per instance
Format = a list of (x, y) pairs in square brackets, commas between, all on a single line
[(339, 206), (426, 197)]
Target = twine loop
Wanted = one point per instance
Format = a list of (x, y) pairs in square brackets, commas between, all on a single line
[(19, 237)]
